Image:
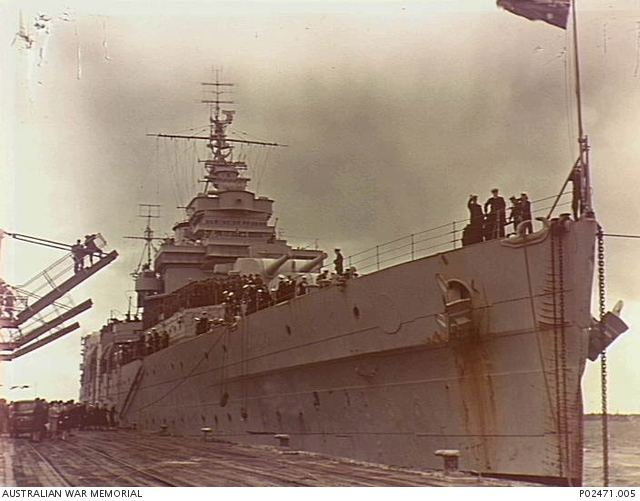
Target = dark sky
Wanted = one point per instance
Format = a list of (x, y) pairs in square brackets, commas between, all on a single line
[(393, 112)]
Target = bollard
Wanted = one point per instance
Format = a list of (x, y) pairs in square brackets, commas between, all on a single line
[(450, 457), (163, 429), (283, 441), (205, 434)]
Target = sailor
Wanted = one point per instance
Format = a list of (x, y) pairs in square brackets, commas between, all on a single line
[(40, 418), (141, 346), (90, 247), (155, 340), (338, 262), (202, 324), (277, 291), (475, 211), (113, 417), (516, 212), (55, 408), (526, 211), (302, 287), (77, 250), (494, 208), (4, 416), (473, 233), (103, 417), (323, 279)]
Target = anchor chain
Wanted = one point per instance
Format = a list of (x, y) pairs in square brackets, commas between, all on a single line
[(603, 361)]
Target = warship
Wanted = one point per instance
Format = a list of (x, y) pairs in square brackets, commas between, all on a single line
[(476, 351)]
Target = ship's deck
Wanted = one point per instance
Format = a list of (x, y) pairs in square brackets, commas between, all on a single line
[(128, 459)]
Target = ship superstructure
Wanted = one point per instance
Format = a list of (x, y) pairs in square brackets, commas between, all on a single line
[(227, 227)]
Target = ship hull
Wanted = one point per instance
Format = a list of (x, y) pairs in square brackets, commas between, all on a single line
[(389, 368)]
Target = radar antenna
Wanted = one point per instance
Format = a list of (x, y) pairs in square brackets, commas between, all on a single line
[(222, 172)]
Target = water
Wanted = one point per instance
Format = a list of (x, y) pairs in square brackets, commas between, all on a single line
[(624, 451)]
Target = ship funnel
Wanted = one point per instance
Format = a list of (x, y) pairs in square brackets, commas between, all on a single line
[(271, 270), (307, 267), (605, 332)]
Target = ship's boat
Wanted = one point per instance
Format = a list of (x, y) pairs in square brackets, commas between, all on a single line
[(478, 349)]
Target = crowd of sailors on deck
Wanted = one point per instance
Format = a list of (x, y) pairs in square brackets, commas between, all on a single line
[(55, 419), (88, 249), (490, 221), (241, 294), (146, 344)]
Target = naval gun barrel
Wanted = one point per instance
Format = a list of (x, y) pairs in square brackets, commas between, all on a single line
[(271, 270), (307, 267)]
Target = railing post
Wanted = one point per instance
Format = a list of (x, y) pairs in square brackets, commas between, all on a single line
[(378, 256), (412, 248)]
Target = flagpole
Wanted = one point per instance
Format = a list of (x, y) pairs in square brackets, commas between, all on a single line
[(582, 139), (577, 68)]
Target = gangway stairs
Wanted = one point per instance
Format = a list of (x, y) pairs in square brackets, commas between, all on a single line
[(43, 303), (57, 291)]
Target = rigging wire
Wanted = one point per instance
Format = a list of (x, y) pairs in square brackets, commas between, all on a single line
[(618, 235)]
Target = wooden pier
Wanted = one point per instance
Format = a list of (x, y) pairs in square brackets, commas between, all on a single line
[(129, 459)]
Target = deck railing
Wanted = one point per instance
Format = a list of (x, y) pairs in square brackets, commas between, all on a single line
[(424, 243)]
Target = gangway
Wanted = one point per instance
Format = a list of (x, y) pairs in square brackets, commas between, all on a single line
[(60, 290), (35, 309)]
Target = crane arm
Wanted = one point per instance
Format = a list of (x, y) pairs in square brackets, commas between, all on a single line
[(39, 241)]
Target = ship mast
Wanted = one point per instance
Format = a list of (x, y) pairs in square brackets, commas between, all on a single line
[(147, 236), (222, 172), (221, 151)]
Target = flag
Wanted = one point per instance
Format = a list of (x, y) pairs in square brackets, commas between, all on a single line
[(554, 12)]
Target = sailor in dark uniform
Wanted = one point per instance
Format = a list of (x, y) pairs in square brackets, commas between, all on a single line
[(202, 324), (77, 250), (473, 232), (338, 262), (516, 212), (495, 209), (91, 248), (525, 207), (302, 287)]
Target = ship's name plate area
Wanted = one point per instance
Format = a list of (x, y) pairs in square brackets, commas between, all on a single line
[(71, 493)]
